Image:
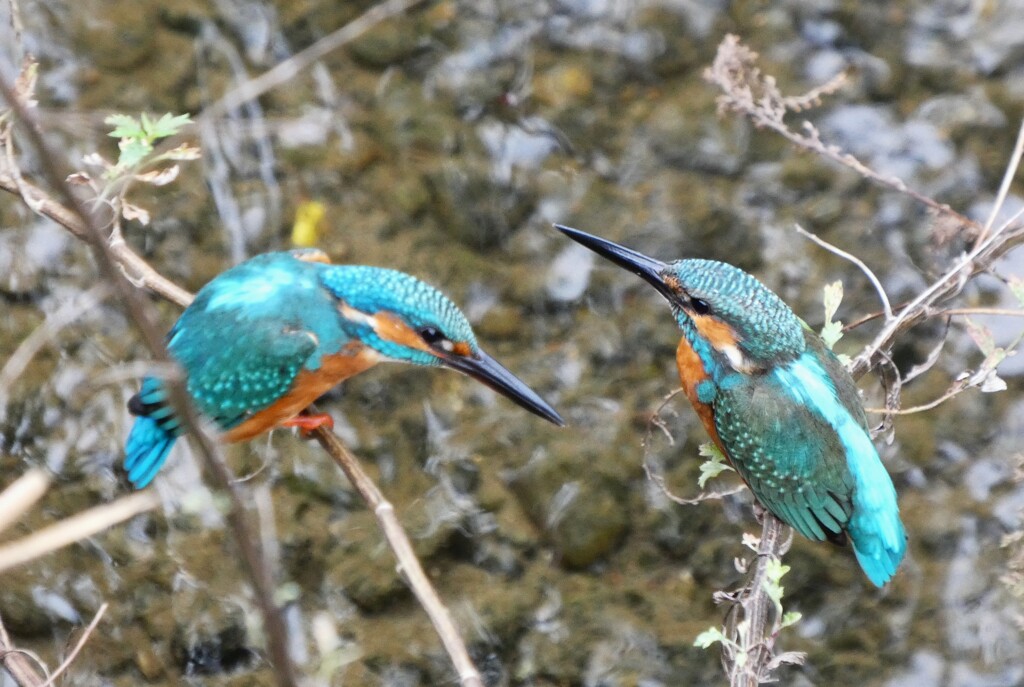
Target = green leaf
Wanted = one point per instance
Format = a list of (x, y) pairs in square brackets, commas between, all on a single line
[(832, 331), (709, 637), (133, 151), (790, 618), (772, 583), (167, 125), (124, 126), (712, 467)]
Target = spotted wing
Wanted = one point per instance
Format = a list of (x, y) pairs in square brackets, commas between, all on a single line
[(236, 371), (791, 457)]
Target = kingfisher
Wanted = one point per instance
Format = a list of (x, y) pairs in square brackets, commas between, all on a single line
[(777, 403), (266, 338)]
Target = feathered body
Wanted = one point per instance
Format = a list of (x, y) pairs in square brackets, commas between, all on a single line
[(778, 403), (266, 338)]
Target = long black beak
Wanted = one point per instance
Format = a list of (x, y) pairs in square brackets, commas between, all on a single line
[(489, 371), (649, 269)]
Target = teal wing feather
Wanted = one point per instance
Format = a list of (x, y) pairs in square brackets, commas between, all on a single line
[(243, 371), (234, 373), (798, 435), (791, 458)]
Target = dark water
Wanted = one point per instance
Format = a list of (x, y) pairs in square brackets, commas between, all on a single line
[(444, 143)]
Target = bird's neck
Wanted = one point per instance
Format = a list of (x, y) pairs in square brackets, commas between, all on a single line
[(715, 363)]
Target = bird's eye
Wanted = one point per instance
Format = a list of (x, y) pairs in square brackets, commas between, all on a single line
[(699, 306), (433, 337)]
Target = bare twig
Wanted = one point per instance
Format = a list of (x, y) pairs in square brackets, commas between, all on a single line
[(469, 676), (134, 267), (1004, 186), (654, 474), (300, 61), (75, 528), (21, 664), (21, 495), (949, 284), (78, 646), (44, 334), (886, 307)]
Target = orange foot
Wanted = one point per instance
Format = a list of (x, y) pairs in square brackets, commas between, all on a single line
[(307, 423)]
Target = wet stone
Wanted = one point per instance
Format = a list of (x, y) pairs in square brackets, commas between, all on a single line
[(386, 44), (585, 519), (473, 208)]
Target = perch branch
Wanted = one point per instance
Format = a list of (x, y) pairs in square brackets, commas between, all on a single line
[(409, 564)]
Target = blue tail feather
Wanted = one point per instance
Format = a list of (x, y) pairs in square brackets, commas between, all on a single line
[(879, 542), (146, 450)]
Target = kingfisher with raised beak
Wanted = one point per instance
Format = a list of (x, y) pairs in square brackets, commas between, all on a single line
[(266, 338), (777, 402)]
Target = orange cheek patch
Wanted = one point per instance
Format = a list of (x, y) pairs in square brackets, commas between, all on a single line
[(391, 328), (462, 348), (717, 333)]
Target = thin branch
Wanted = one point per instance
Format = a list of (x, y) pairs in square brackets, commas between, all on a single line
[(952, 391), (949, 284), (1000, 312), (469, 676), (135, 269), (78, 646), (44, 334), (774, 543), (21, 495), (300, 61), (75, 528), (19, 663), (886, 307), (1004, 186)]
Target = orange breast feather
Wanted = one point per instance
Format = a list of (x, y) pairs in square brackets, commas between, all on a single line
[(308, 386), (691, 373)]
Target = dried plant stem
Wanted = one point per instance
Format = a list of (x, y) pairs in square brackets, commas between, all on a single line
[(757, 639), (75, 528), (409, 564), (21, 495), (1004, 186), (293, 66), (66, 663), (886, 307), (19, 663), (745, 90)]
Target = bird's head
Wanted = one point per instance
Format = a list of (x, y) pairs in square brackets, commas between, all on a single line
[(404, 319), (748, 325)]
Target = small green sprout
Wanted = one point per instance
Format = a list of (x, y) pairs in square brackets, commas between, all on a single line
[(715, 465)]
